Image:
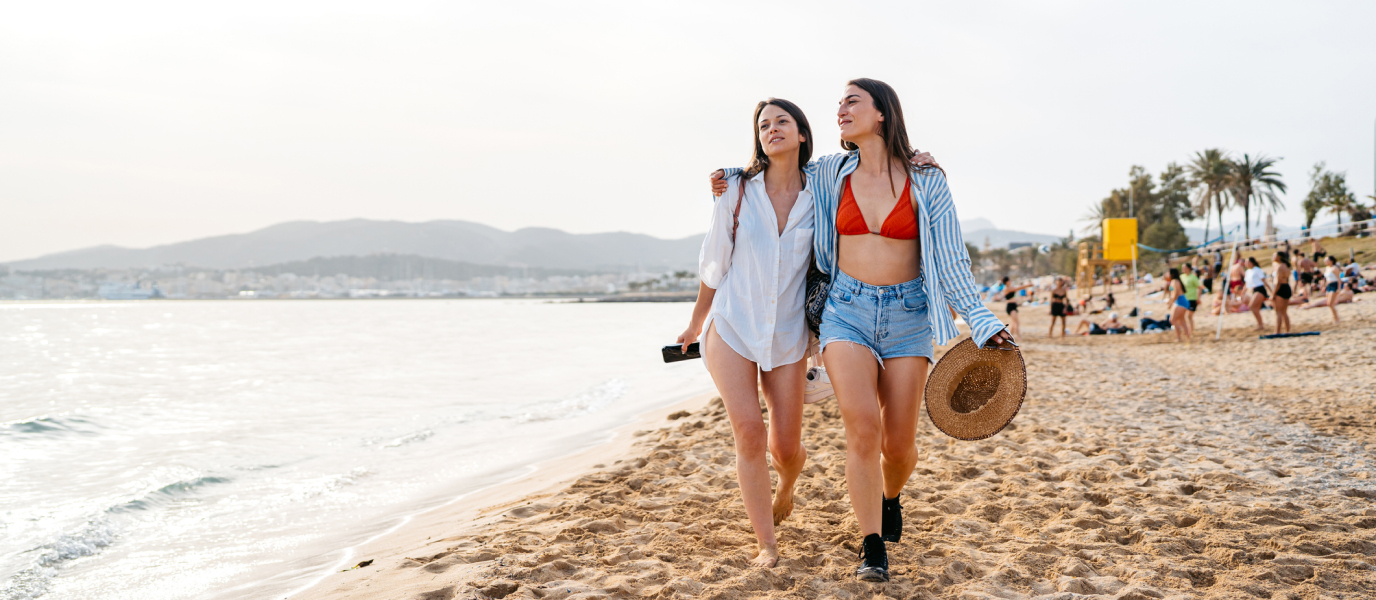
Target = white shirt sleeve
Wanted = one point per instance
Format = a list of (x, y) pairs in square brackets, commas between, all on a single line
[(715, 258)]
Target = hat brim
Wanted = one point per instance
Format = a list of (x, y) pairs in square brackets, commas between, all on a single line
[(997, 412)]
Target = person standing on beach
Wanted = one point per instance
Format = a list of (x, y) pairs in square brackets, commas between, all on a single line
[(1332, 284), (1058, 297), (1180, 306), (1256, 283), (1009, 293), (1235, 277), (889, 237), (1191, 282), (749, 312), (1306, 269), (909, 274), (1280, 271)]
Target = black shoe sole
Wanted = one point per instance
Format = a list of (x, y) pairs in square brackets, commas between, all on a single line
[(892, 537)]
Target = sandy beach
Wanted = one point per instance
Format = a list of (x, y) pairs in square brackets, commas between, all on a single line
[(1138, 469)]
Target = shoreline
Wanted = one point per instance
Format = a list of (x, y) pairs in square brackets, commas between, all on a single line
[(475, 508)]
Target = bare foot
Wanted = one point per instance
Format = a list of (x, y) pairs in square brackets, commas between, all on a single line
[(766, 557), (783, 505)]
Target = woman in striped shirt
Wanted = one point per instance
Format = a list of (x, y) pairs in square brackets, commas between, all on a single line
[(894, 286)]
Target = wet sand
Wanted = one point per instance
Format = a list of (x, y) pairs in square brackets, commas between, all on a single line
[(1137, 469)]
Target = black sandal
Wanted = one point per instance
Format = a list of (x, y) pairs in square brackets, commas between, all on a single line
[(874, 560)]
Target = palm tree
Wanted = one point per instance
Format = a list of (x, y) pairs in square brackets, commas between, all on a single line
[(1094, 219), (1342, 201), (1209, 173), (1251, 183)]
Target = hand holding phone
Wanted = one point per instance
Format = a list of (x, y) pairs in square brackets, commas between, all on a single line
[(675, 352)]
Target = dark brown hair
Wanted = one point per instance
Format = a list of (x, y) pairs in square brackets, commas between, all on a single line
[(1282, 257), (760, 161), (892, 128)]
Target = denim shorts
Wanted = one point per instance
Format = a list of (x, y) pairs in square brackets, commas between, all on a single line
[(890, 320)]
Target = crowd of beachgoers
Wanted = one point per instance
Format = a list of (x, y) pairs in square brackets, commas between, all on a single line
[(1294, 279)]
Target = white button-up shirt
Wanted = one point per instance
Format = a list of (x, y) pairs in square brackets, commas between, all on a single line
[(758, 308)]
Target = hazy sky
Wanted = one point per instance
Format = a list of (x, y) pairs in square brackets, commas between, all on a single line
[(140, 124)]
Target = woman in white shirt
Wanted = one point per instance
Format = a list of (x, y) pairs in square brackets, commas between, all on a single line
[(749, 311)]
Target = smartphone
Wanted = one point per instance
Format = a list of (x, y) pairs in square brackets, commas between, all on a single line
[(675, 353)]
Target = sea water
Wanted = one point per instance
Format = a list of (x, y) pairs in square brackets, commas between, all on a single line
[(239, 449)]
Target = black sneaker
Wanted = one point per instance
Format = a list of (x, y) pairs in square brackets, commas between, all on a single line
[(874, 560), (893, 520)]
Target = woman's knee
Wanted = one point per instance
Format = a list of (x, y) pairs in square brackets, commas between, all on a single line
[(785, 451), (751, 437), (898, 449), (863, 436)]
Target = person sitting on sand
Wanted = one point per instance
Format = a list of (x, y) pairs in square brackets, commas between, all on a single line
[(1112, 325), (1235, 304), (1342, 296)]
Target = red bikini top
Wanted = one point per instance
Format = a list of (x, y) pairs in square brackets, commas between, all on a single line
[(901, 224)]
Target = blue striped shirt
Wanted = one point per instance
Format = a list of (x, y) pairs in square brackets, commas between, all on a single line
[(945, 261)]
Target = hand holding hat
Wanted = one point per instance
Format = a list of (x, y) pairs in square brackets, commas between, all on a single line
[(974, 392)]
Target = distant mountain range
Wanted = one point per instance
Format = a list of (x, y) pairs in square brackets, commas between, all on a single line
[(978, 231), (451, 240), (462, 241)]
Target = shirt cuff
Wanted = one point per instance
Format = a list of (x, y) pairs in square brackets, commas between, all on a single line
[(988, 326)]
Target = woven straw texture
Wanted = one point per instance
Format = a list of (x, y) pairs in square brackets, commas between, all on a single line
[(973, 393)]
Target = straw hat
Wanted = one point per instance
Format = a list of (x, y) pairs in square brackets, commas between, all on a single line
[(974, 392)]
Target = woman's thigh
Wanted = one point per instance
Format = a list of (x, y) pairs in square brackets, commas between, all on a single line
[(854, 373), (783, 393), (735, 377), (901, 385)]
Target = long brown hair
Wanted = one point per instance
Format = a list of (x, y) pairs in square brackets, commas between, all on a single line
[(759, 161), (892, 128)]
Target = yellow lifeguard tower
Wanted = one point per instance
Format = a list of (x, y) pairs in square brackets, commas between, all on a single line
[(1119, 248)]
